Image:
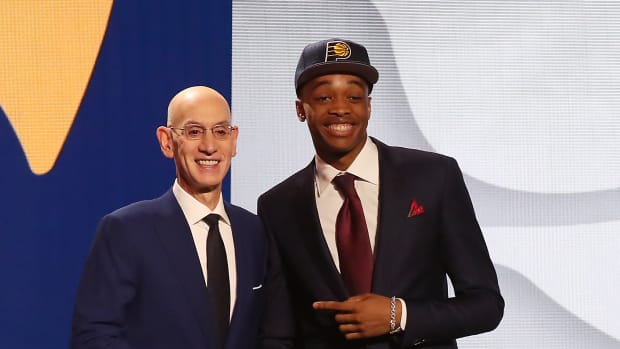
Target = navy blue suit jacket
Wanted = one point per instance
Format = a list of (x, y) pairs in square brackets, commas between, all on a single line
[(143, 287), (413, 254)]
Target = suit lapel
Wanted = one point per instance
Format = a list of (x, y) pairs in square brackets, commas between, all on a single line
[(177, 241), (311, 235), (243, 253), (386, 240)]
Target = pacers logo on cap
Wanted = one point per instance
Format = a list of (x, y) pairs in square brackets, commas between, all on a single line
[(337, 50)]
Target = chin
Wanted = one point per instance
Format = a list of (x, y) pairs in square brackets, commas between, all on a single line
[(207, 185), (339, 148)]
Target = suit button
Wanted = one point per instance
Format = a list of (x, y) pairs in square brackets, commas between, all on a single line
[(419, 341)]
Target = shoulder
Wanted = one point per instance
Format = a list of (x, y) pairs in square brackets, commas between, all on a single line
[(289, 186), (145, 209), (139, 219), (401, 156), (238, 214)]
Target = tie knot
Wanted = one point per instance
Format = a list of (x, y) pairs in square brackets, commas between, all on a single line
[(344, 183), (212, 219)]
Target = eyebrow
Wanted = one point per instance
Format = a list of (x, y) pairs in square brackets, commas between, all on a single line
[(358, 83), (321, 83), (223, 123)]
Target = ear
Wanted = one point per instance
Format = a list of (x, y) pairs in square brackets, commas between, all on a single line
[(301, 113), (369, 106), (166, 144)]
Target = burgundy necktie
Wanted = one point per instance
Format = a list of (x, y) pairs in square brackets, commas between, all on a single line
[(218, 285), (354, 252)]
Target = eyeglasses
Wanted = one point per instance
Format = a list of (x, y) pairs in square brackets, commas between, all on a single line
[(220, 132)]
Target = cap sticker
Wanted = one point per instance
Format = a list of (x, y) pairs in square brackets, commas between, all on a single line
[(337, 50)]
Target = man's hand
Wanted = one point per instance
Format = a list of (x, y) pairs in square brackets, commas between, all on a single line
[(363, 316)]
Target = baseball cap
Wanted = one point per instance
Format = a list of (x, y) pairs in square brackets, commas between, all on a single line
[(333, 56)]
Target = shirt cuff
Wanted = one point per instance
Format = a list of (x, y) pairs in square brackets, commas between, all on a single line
[(403, 313)]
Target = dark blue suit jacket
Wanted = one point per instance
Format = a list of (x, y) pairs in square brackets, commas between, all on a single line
[(413, 254), (143, 287)]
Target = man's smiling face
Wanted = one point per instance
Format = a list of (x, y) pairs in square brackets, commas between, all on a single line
[(337, 109)]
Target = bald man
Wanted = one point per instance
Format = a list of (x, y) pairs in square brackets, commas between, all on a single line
[(185, 270)]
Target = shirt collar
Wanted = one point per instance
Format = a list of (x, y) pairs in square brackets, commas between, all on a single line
[(365, 166), (195, 210)]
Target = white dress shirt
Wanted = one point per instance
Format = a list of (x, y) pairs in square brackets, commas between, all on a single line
[(194, 212), (329, 200)]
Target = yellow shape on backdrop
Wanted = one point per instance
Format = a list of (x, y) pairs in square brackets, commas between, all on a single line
[(48, 51)]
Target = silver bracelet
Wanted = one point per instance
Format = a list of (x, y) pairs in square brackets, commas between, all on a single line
[(393, 328)]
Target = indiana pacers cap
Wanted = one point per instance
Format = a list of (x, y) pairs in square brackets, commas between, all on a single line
[(334, 56)]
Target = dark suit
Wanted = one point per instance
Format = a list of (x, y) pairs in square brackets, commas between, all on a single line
[(413, 255), (143, 286)]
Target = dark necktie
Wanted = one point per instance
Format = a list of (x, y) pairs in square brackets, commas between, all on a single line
[(218, 284), (354, 252)]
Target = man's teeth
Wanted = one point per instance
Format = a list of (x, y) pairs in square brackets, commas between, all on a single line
[(340, 127), (208, 162)]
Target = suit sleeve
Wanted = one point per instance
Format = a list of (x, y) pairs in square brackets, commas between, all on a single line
[(477, 306), (107, 288)]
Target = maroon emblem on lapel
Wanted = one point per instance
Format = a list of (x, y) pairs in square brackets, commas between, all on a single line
[(415, 209)]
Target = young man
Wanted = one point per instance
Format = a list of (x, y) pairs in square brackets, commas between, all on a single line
[(185, 270), (368, 232)]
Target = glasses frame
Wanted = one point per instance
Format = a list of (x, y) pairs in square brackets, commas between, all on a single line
[(229, 129)]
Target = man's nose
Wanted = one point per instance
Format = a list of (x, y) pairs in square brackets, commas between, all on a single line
[(208, 143), (339, 107)]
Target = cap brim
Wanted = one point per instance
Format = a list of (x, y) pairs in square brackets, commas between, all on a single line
[(365, 71)]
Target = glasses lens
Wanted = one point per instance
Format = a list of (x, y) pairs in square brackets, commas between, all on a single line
[(220, 132), (194, 131)]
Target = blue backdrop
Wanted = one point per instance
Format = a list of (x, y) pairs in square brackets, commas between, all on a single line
[(150, 51)]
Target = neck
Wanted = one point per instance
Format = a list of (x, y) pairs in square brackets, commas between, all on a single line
[(209, 199), (341, 162)]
